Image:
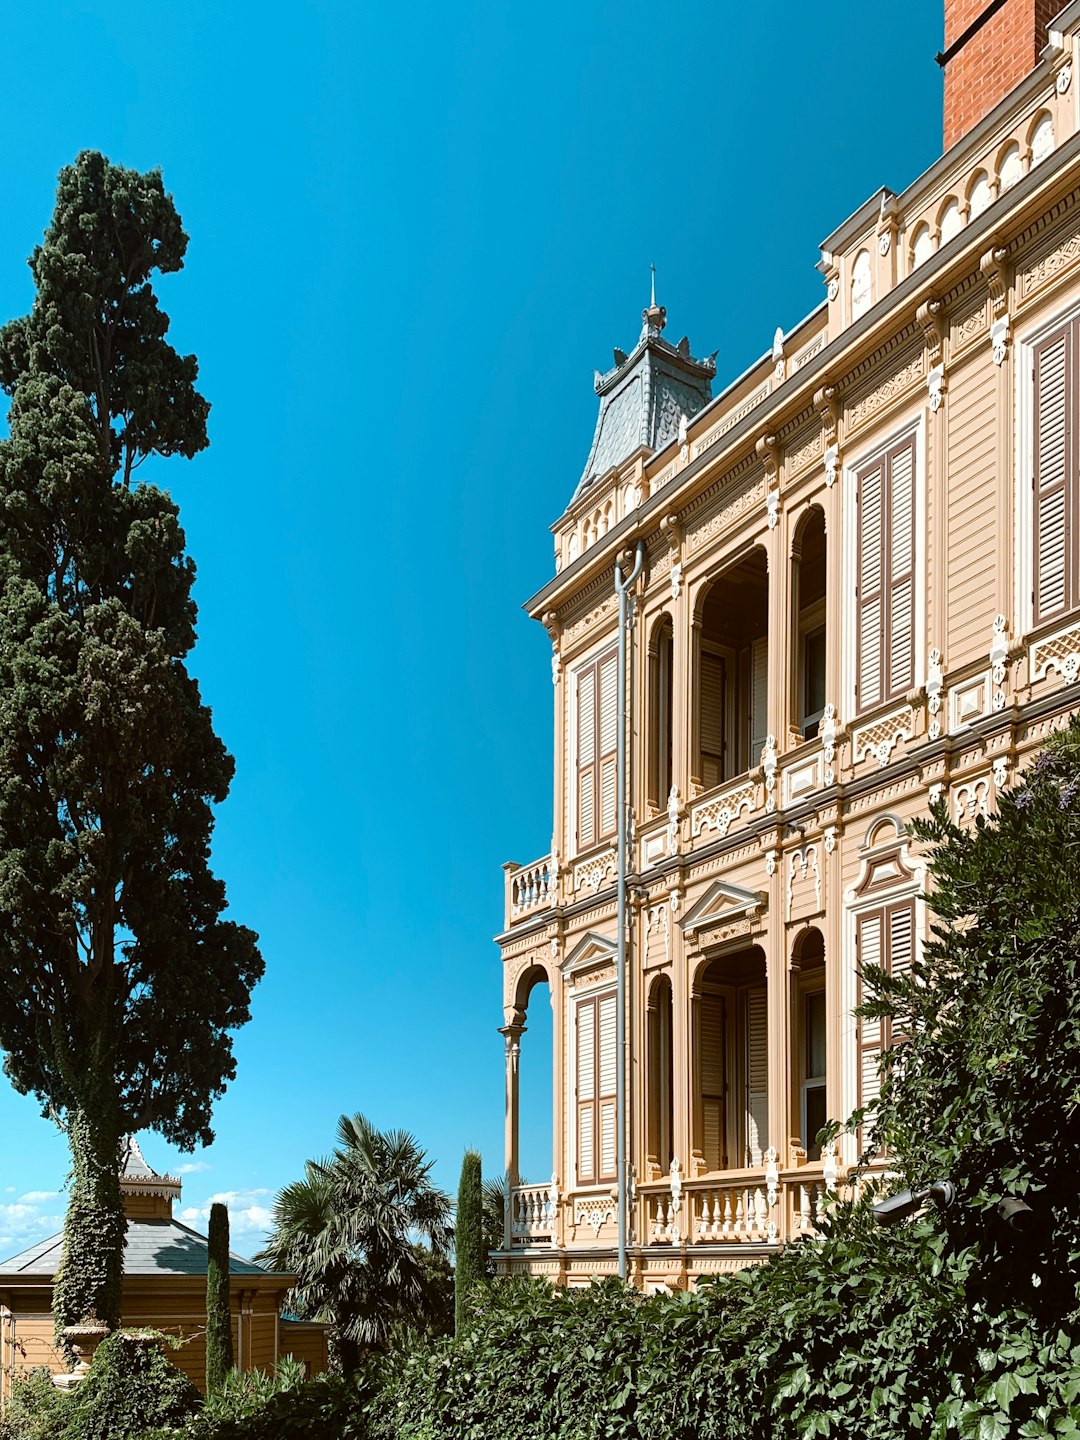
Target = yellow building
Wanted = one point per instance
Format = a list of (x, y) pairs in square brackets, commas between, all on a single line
[(860, 590), (165, 1265)]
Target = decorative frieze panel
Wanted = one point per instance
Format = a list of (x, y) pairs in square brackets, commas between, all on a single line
[(721, 811), (804, 450), (586, 622), (907, 373), (594, 1211), (971, 798), (1060, 652), (747, 499), (882, 737), (1059, 253), (657, 935), (803, 881), (596, 871), (717, 431), (968, 324)]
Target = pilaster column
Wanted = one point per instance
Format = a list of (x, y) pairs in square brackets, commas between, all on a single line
[(511, 1034)]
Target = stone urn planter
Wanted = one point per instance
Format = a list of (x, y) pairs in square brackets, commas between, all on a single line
[(83, 1339)]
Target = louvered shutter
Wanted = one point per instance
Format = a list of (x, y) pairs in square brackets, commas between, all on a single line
[(757, 1076), (608, 671), (901, 562), (607, 1069), (900, 936), (711, 700), (1054, 478), (586, 757), (586, 1090), (870, 940), (712, 1068), (759, 699), (870, 587)]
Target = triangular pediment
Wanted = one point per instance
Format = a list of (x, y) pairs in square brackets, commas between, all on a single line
[(722, 902), (591, 949)]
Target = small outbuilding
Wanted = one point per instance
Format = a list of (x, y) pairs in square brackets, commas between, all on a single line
[(165, 1264)]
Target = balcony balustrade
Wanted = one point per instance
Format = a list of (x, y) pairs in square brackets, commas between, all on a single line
[(529, 889), (532, 1214)]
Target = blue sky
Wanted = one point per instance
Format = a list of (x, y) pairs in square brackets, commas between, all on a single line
[(415, 232)]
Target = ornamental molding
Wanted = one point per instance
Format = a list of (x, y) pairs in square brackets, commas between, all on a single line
[(595, 1213), (720, 429), (971, 799), (579, 627), (994, 271), (904, 375), (592, 873), (721, 812), (1058, 252), (931, 318), (881, 737), (594, 948), (810, 446), (803, 863), (1059, 651), (723, 903), (746, 500)]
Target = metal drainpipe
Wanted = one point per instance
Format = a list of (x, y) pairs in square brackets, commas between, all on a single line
[(622, 588)]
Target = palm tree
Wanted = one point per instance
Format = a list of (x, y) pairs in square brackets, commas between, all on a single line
[(349, 1230)]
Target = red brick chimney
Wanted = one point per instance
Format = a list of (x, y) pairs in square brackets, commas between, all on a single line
[(990, 45)]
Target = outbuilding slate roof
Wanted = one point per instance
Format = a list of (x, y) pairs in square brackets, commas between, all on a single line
[(152, 1247)]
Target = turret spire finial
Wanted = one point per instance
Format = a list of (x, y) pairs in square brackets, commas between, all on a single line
[(652, 290)]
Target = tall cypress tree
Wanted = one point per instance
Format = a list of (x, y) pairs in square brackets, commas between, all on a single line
[(119, 980), (219, 1343), (468, 1237)]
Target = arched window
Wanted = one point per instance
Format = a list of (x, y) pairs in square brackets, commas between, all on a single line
[(950, 223), (1042, 137), (979, 194), (922, 246), (661, 694), (861, 285), (1010, 167)]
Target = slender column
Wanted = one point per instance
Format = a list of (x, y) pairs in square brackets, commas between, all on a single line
[(512, 1039), (692, 729), (560, 1168)]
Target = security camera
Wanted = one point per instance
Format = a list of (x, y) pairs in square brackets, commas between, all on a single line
[(942, 1194)]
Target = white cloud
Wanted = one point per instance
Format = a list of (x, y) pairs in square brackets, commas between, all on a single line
[(27, 1221), (250, 1215), (35, 1197), (191, 1167)]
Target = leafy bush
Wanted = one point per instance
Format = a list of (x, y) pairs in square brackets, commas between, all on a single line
[(327, 1408), (130, 1387), (37, 1410)]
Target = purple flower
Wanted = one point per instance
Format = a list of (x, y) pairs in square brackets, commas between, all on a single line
[(1068, 794), (1024, 799)]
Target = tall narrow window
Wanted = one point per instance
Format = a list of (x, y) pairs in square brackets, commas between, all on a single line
[(884, 937), (886, 576), (813, 1085), (658, 1077), (1054, 479), (808, 594), (712, 1041), (732, 672), (596, 1072), (731, 1041), (757, 1075), (597, 720), (661, 695)]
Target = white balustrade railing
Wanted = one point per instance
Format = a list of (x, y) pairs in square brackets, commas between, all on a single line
[(529, 888), (532, 1214), (735, 1213)]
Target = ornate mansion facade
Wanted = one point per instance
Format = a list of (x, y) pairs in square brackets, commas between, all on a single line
[(860, 590)]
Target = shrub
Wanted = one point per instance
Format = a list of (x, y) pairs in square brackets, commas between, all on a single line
[(468, 1237), (37, 1410), (219, 1342), (327, 1408), (130, 1387)]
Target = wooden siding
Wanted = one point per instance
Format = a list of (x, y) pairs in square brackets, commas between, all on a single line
[(971, 511)]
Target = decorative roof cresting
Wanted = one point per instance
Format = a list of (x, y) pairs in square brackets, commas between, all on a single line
[(644, 397)]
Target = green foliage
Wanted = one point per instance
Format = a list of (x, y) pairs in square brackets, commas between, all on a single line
[(986, 1089), (219, 1342), (131, 1387), (119, 980), (327, 1408), (347, 1231), (37, 1410), (494, 1202), (469, 1254)]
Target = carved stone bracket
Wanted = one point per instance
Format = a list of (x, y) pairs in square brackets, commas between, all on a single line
[(931, 317), (995, 272), (935, 680), (825, 403), (767, 453), (998, 656)]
